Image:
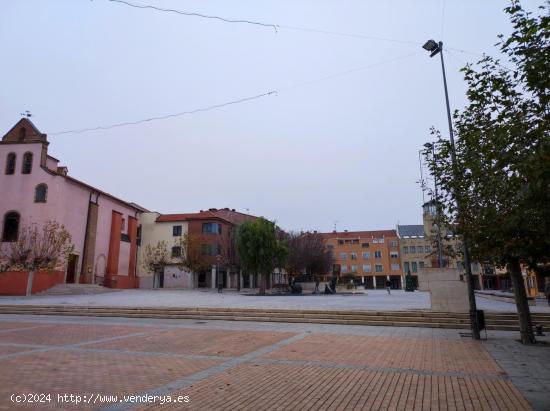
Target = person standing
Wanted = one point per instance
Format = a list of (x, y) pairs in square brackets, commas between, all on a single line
[(388, 286), (316, 285)]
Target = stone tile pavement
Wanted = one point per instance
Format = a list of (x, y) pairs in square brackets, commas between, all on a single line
[(373, 300), (222, 365)]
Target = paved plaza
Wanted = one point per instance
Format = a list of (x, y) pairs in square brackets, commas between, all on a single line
[(372, 300), (219, 365)]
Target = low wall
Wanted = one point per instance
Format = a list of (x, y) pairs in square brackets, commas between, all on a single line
[(44, 280), (15, 282), (123, 281)]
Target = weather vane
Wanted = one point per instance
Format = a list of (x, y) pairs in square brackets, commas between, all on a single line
[(26, 114)]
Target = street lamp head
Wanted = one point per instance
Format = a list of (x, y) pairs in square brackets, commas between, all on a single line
[(432, 47), (428, 145)]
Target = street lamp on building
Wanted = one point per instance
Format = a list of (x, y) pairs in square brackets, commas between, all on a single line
[(435, 48)]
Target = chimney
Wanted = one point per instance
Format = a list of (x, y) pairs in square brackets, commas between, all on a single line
[(62, 170)]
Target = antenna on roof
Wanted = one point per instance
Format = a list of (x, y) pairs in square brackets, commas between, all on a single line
[(26, 114), (334, 225)]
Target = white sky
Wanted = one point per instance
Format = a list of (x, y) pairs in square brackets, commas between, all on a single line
[(343, 149)]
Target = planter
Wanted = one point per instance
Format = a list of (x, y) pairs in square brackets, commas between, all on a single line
[(16, 282)]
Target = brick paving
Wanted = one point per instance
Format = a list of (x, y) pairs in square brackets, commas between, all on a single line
[(254, 367), (189, 341)]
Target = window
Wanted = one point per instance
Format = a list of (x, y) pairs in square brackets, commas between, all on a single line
[(421, 265), (378, 268), (176, 230), (378, 241), (11, 226), (406, 267), (27, 163), (406, 249), (330, 246), (123, 225), (414, 267), (341, 242), (378, 254), (365, 245), (366, 268), (413, 249), (366, 255), (343, 256), (353, 256), (344, 269), (395, 267), (428, 249), (176, 251), (211, 249), (213, 228), (394, 254), (40, 193), (10, 163), (393, 243), (353, 268), (356, 241)]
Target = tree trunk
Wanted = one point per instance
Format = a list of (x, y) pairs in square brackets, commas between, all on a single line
[(262, 284), (30, 279), (525, 324)]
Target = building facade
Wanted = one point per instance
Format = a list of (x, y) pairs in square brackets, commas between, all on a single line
[(36, 189), (371, 257), (214, 232)]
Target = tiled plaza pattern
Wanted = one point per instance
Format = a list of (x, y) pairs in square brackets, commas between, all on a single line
[(248, 370)]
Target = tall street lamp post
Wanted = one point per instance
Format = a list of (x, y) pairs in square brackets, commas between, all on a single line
[(435, 48)]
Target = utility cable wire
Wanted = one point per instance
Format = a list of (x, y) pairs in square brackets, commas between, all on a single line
[(273, 92), (145, 120), (186, 13), (276, 27)]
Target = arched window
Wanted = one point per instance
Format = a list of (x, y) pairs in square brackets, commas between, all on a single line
[(10, 229), (40, 193), (27, 163), (22, 133), (10, 163)]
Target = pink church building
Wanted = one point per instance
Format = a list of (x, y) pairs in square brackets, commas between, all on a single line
[(34, 188)]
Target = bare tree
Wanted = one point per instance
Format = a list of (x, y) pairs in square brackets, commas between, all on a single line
[(191, 257), (44, 247), (155, 258)]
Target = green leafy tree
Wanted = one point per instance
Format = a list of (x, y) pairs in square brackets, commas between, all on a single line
[(503, 156), (259, 248)]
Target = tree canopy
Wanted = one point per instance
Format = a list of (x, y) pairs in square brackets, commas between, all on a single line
[(498, 191), (259, 248)]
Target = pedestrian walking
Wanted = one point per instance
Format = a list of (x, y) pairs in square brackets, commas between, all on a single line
[(388, 285), (316, 285), (547, 289)]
